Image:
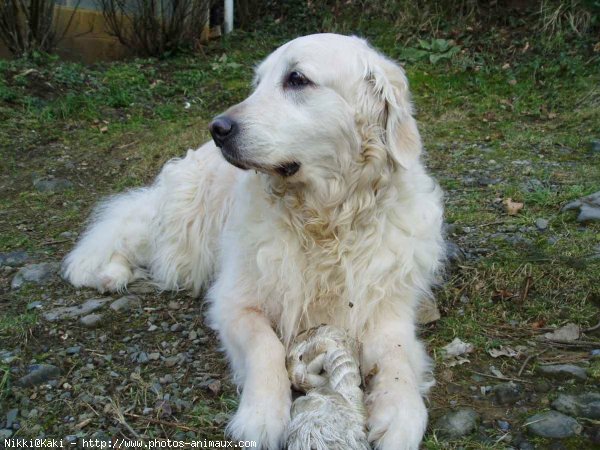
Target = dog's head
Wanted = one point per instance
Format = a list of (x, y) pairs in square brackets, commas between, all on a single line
[(323, 105)]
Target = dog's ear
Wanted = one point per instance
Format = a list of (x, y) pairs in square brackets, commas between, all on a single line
[(385, 101)]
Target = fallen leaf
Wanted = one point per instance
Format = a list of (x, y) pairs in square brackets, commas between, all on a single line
[(503, 294), (457, 361), (456, 348), (570, 332), (505, 66), (503, 351), (496, 372), (82, 424), (512, 208), (538, 324)]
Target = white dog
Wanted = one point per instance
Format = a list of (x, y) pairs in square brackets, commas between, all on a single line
[(316, 209)]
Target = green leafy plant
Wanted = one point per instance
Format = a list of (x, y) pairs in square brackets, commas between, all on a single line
[(434, 51)]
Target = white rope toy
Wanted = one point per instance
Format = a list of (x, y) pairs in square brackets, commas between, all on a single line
[(323, 363)]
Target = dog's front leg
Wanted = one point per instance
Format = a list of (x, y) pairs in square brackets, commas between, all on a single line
[(258, 357), (394, 364)]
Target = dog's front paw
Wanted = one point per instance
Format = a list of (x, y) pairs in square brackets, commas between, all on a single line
[(396, 422), (262, 418)]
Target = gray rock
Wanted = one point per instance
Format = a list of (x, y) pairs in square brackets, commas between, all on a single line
[(126, 303), (563, 371), (454, 253), (595, 145), (532, 185), (91, 320), (11, 416), (34, 305), (457, 423), (52, 184), (541, 224), (13, 259), (71, 312), (73, 350), (508, 393), (589, 207), (41, 273), (38, 374), (585, 405), (5, 434), (554, 425)]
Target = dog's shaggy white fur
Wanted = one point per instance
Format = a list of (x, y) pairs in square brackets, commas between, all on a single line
[(336, 222)]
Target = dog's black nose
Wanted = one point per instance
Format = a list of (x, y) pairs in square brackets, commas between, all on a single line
[(221, 129)]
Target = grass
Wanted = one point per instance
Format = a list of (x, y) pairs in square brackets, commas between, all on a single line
[(489, 111)]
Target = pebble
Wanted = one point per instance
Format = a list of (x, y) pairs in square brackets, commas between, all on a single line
[(154, 356), (454, 253), (595, 145), (541, 224), (126, 303), (552, 424), (52, 184), (147, 411), (5, 434), (11, 417), (73, 350), (563, 371), (584, 405), (171, 361), (41, 273), (176, 327), (457, 423), (71, 312), (91, 320), (503, 425), (34, 305), (589, 208), (508, 393), (13, 259), (38, 374)]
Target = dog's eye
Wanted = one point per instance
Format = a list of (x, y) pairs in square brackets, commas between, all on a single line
[(296, 80)]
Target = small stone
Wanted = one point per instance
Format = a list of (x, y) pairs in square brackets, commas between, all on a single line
[(171, 361), (71, 312), (503, 425), (147, 411), (34, 305), (91, 320), (176, 327), (38, 374), (126, 303), (152, 328), (11, 417), (589, 207), (5, 434), (554, 425), (142, 357), (508, 393), (457, 423), (584, 405), (154, 356), (563, 371), (174, 305), (595, 145), (454, 253), (41, 273), (13, 259), (215, 387), (52, 184), (73, 350), (541, 224), (193, 335)]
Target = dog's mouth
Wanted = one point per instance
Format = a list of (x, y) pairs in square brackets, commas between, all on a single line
[(284, 170)]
